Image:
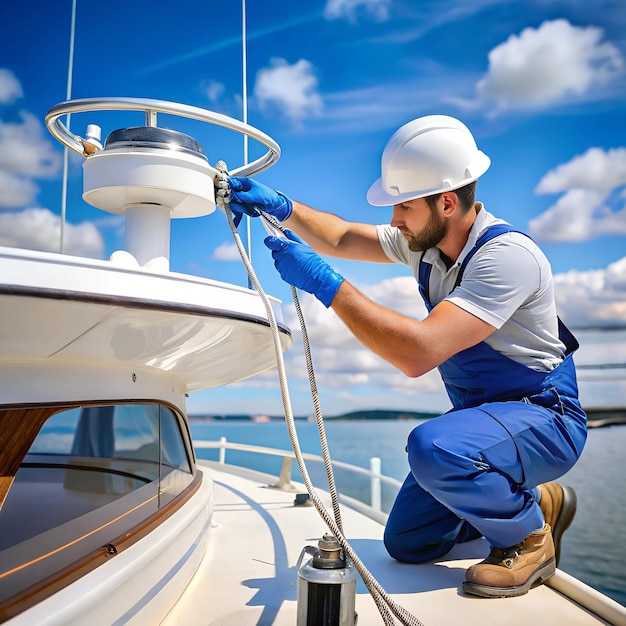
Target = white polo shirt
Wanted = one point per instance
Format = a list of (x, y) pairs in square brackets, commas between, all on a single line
[(507, 283)]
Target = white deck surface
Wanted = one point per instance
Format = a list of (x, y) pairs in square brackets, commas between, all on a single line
[(248, 575)]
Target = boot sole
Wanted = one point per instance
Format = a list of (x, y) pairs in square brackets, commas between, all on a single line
[(564, 519), (538, 577)]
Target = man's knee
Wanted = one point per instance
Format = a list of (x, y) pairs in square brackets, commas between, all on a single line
[(423, 455), (393, 544), (440, 456), (408, 549)]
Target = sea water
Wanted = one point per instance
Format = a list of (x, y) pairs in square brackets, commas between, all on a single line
[(593, 549)]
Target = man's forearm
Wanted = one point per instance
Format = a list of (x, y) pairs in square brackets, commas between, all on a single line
[(413, 346), (331, 235), (322, 231)]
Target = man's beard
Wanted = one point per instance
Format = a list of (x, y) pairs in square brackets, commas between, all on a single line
[(434, 231)]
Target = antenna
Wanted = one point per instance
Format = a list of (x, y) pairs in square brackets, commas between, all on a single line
[(68, 96), (244, 89), (244, 37)]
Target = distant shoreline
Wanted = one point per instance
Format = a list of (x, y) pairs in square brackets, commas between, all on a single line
[(379, 414), (597, 417)]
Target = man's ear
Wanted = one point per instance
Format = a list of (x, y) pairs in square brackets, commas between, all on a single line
[(450, 201)]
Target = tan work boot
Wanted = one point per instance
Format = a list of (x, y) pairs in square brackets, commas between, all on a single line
[(509, 572), (558, 505)]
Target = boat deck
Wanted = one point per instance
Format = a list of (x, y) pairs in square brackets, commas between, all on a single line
[(248, 575)]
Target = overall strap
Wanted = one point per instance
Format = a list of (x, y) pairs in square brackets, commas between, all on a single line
[(424, 281), (565, 335), (425, 268), (490, 233)]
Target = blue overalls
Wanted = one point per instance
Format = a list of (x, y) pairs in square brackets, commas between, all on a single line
[(474, 470)]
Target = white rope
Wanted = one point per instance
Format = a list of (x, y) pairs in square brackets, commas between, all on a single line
[(385, 603)]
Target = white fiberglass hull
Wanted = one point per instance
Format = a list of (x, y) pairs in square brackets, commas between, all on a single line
[(72, 314), (140, 584)]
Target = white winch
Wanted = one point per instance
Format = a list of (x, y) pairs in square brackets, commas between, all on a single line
[(150, 174)]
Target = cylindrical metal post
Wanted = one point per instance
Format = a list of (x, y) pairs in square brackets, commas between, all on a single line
[(375, 483), (222, 458), (148, 235), (327, 588)]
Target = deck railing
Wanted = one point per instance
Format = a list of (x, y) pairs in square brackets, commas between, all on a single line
[(373, 473)]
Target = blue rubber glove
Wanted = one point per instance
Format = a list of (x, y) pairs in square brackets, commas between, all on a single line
[(249, 197), (303, 268)]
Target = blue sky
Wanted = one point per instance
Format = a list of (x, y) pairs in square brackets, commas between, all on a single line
[(541, 84)]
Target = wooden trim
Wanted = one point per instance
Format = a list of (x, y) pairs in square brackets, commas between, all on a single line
[(125, 541), (18, 429), (61, 579)]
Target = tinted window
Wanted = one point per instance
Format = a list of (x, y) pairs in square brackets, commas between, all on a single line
[(91, 476)]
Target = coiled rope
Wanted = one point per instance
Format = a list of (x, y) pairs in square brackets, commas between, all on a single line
[(386, 605)]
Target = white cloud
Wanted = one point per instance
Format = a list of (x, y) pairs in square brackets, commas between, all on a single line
[(25, 153), (541, 66), (226, 252), (601, 347), (39, 229), (400, 294), (25, 150), (351, 9), (10, 87), (290, 88), (591, 205), (17, 191), (593, 298), (595, 169), (214, 91), (601, 386), (324, 328), (578, 215)]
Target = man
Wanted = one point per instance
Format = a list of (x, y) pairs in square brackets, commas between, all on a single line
[(482, 469)]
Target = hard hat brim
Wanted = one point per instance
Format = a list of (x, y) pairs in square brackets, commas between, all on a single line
[(378, 196)]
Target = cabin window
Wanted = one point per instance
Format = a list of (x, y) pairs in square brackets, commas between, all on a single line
[(145, 433), (91, 476)]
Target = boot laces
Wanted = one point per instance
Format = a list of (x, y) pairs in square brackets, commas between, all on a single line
[(505, 556)]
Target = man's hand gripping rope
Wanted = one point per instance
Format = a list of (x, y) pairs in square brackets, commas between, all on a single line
[(296, 262)]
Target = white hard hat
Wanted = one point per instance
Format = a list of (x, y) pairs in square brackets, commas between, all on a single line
[(427, 156)]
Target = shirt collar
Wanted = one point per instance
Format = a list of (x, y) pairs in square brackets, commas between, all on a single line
[(483, 219)]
